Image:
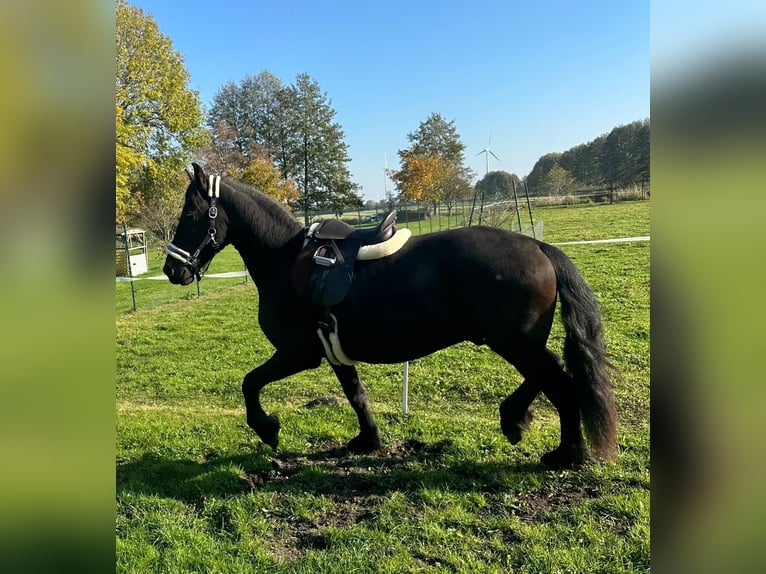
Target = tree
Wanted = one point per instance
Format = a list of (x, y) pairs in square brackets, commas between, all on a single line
[(432, 167), (163, 185), (262, 174), (158, 117), (498, 184), (418, 177), (294, 127), (541, 168), (437, 137), (128, 161), (316, 154), (222, 154), (454, 185), (254, 109), (558, 181), (617, 159)]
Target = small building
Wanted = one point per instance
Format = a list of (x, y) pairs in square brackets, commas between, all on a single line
[(131, 256)]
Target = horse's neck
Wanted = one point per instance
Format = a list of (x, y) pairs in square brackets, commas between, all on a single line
[(267, 236)]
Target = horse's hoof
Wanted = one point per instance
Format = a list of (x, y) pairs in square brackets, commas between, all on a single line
[(563, 458), (514, 429), (268, 431), (513, 435), (364, 444)]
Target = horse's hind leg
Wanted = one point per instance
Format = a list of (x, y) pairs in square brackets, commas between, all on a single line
[(543, 372), (368, 439), (516, 412)]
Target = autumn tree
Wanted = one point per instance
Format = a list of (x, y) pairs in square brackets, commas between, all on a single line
[(432, 167), (262, 174), (158, 116), (418, 178)]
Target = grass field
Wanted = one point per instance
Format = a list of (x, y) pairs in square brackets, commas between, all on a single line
[(198, 492)]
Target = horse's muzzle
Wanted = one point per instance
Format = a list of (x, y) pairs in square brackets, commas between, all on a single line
[(178, 275)]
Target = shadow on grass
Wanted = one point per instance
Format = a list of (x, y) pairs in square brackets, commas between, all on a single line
[(408, 466)]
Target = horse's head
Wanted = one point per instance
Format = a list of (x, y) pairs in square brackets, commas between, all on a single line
[(201, 231)]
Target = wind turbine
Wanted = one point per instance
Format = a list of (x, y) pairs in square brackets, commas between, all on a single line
[(487, 152)]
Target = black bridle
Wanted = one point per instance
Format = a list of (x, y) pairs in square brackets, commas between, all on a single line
[(192, 259)]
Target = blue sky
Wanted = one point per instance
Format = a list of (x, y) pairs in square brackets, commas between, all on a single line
[(538, 76)]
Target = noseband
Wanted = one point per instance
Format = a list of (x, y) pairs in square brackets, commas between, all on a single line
[(191, 260)]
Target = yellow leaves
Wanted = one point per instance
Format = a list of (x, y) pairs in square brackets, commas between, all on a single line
[(263, 175), (420, 176), (127, 160)]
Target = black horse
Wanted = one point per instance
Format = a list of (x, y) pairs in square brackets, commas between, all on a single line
[(479, 284)]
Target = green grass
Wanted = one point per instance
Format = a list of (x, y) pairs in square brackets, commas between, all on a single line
[(198, 492)]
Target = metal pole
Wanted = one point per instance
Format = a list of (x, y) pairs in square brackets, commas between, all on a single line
[(405, 387), (473, 205), (516, 201), (130, 269), (529, 208)]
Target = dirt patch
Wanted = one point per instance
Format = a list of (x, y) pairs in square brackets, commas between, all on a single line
[(323, 402), (535, 505)]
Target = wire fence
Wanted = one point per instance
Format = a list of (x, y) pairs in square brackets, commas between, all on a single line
[(151, 288)]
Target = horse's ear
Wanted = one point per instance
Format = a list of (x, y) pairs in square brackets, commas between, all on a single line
[(200, 177), (191, 177)]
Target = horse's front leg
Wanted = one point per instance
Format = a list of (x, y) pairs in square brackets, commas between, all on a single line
[(368, 439), (279, 366)]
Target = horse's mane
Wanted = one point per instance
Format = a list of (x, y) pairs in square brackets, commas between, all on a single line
[(262, 212)]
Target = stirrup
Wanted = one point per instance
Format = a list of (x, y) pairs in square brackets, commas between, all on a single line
[(326, 255)]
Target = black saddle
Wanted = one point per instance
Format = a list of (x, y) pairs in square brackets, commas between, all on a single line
[(329, 256)]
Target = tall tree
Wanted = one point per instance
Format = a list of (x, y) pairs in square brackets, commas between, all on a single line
[(436, 136), (222, 154), (254, 109), (617, 159), (316, 155), (158, 116), (432, 168)]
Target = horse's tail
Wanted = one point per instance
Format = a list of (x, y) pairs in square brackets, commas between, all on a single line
[(585, 354)]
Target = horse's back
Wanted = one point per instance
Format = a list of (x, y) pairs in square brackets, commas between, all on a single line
[(446, 287)]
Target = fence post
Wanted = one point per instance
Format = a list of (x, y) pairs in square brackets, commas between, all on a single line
[(516, 201), (529, 208), (405, 387), (130, 269)]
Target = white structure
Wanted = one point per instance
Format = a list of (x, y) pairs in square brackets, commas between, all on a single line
[(131, 252)]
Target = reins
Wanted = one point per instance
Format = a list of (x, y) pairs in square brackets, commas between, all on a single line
[(213, 192)]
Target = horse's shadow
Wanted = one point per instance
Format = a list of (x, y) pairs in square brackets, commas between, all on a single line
[(331, 472)]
